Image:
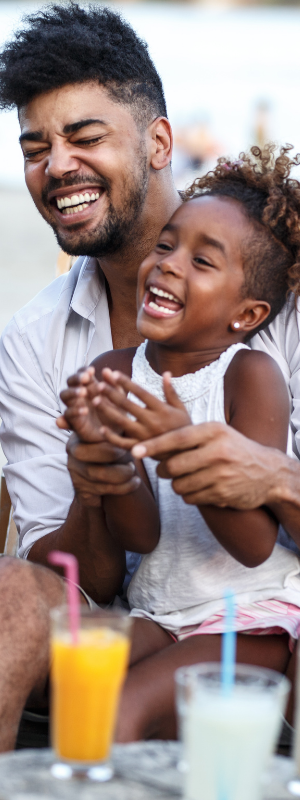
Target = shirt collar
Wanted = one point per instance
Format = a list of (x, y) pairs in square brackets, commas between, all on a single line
[(89, 288)]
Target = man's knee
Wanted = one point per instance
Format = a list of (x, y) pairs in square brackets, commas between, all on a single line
[(26, 587)]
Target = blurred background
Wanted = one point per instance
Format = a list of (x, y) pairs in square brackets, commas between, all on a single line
[(231, 73)]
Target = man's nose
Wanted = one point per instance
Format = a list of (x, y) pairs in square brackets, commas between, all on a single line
[(61, 161)]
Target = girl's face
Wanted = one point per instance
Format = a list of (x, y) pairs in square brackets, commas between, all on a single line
[(189, 287)]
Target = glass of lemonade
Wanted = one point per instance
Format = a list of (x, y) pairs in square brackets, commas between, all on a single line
[(228, 737), (86, 680)]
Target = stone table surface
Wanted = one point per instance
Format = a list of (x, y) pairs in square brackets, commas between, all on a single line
[(143, 771)]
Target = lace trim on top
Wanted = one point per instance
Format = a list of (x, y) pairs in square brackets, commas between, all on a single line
[(188, 387)]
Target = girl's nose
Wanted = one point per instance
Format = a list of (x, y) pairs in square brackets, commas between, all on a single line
[(171, 262)]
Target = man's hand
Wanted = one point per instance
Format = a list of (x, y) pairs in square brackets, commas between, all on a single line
[(100, 469), (213, 464), (153, 418)]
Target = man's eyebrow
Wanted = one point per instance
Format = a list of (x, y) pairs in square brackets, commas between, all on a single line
[(37, 136), (31, 136), (82, 123)]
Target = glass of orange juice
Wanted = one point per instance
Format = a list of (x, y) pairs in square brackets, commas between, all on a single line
[(86, 681)]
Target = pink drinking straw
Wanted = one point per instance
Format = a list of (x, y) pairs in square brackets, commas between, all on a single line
[(70, 565)]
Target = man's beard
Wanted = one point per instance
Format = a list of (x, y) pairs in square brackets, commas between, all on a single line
[(117, 229)]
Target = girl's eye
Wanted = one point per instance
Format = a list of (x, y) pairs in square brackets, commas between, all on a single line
[(163, 246), (199, 260)]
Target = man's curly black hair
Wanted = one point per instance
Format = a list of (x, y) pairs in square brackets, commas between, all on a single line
[(63, 44), (260, 181)]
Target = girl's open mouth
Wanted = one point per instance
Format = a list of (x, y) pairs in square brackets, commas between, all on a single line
[(159, 303)]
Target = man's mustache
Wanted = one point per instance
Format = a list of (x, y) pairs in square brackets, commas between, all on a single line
[(83, 180)]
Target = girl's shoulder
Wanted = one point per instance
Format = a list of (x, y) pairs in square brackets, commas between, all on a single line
[(256, 398), (252, 366), (115, 359)]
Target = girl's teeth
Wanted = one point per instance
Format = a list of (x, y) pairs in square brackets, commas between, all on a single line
[(161, 293), (161, 308)]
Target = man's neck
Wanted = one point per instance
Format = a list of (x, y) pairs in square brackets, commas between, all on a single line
[(121, 269)]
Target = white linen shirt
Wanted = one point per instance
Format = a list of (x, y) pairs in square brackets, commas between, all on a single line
[(63, 328)]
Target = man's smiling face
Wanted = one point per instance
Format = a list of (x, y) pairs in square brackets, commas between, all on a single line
[(86, 166)]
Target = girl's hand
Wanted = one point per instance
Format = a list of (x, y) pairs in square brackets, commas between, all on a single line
[(152, 419), (81, 415)]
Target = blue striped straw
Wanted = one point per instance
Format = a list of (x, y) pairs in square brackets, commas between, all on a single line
[(228, 644)]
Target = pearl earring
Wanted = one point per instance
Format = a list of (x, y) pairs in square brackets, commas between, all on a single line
[(236, 324)]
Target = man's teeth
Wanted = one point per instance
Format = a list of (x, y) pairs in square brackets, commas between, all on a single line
[(77, 202), (161, 308), (161, 293)]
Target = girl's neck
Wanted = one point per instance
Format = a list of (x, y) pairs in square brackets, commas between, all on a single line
[(164, 359)]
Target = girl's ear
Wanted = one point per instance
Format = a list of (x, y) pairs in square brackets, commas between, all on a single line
[(251, 316), (161, 145)]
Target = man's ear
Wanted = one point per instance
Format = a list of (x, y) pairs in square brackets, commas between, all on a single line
[(251, 316), (161, 144)]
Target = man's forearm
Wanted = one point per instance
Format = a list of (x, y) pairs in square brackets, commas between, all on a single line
[(213, 464), (284, 497), (101, 559)]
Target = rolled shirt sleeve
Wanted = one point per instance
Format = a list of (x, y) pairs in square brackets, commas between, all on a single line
[(48, 340), (38, 481)]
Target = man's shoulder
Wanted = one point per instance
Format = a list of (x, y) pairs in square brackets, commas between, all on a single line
[(54, 298), (50, 337), (283, 334)]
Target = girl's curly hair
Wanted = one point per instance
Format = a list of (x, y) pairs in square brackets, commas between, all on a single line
[(261, 182)]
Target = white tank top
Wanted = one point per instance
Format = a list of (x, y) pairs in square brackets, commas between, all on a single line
[(182, 581)]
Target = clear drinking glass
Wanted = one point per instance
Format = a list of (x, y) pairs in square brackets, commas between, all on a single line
[(227, 738), (86, 680), (294, 784)]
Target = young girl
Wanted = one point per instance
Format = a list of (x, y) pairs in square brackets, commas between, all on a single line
[(219, 273)]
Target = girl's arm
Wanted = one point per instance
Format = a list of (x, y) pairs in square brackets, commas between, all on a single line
[(257, 405), (133, 519)]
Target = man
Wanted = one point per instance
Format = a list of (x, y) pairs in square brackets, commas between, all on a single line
[(97, 149)]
